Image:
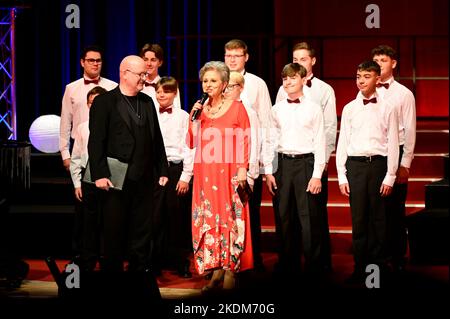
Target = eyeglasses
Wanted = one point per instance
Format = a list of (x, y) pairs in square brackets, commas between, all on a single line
[(92, 61), (231, 87), (233, 56), (142, 76)]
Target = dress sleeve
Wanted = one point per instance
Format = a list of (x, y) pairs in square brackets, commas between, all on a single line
[(243, 140)]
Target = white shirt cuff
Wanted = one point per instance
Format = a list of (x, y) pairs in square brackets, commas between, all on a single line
[(389, 180), (342, 179), (185, 177), (65, 154)]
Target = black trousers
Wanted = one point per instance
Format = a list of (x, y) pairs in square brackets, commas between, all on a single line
[(325, 242), (127, 225), (397, 239), (172, 240), (255, 221), (86, 227), (368, 211), (90, 243), (296, 215)]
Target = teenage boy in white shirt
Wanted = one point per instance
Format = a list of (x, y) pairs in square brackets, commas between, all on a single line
[(172, 226), (254, 95), (367, 161), (403, 100), (73, 108), (323, 94), (296, 184)]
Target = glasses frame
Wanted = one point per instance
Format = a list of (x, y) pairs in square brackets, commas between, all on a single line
[(230, 87), (142, 76), (92, 61), (234, 56)]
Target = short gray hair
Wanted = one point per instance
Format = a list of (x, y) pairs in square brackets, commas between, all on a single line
[(218, 66)]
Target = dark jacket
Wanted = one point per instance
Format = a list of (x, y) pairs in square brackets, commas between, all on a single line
[(110, 133)]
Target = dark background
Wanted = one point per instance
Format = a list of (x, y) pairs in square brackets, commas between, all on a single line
[(193, 32)]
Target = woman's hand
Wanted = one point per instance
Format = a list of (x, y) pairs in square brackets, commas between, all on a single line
[(197, 106), (242, 176)]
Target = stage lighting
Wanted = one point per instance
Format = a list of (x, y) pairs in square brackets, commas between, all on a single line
[(44, 133)]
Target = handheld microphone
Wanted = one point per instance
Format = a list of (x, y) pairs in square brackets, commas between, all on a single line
[(202, 101)]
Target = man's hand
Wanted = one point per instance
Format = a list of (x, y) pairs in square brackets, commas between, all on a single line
[(103, 183), (402, 175), (66, 164), (163, 180), (345, 189), (78, 194), (385, 190), (271, 183), (314, 185), (182, 188)]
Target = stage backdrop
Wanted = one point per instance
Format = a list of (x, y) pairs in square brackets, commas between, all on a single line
[(193, 32)]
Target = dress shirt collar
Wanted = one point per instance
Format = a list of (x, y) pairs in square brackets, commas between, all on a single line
[(361, 97)]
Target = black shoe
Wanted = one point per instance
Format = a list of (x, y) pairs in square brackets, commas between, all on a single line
[(184, 272)]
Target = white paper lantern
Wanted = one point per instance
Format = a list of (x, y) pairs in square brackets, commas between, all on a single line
[(44, 133)]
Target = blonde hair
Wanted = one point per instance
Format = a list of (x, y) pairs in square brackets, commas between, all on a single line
[(237, 77)]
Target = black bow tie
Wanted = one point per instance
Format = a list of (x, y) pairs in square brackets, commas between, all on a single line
[(150, 84), (309, 82), (86, 81), (166, 109), (386, 85), (297, 100), (372, 100)]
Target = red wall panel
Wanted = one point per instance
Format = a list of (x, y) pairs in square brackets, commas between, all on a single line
[(418, 30), (432, 98)]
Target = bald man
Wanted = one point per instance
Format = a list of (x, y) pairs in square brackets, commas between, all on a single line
[(123, 124)]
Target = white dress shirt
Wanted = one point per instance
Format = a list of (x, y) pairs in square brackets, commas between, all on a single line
[(256, 95), (298, 130), (79, 157), (174, 127), (74, 110), (150, 91), (323, 94), (368, 130), (255, 146), (403, 100)]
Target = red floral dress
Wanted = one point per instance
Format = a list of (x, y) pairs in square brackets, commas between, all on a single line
[(220, 223)]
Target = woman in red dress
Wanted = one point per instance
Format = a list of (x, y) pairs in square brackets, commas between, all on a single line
[(220, 222)]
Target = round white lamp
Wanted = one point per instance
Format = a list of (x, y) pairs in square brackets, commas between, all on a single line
[(44, 133)]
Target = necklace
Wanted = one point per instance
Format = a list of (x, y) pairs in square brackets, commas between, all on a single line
[(136, 111), (218, 109)]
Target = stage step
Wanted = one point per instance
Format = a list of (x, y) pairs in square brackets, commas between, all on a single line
[(40, 231), (341, 240), (46, 191), (47, 165), (338, 213), (436, 194)]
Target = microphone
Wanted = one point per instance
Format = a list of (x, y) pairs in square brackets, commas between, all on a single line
[(202, 101)]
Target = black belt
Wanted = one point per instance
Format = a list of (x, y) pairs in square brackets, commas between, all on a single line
[(170, 164), (366, 159), (295, 156)]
